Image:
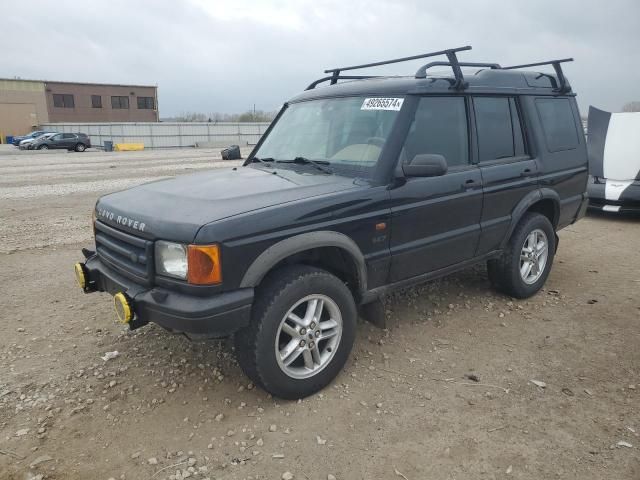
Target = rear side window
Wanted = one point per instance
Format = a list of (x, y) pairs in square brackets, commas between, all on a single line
[(440, 127), (499, 129), (558, 123)]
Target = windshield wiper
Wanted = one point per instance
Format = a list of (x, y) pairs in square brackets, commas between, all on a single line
[(319, 164), (264, 161)]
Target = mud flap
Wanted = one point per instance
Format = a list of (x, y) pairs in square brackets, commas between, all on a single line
[(374, 313)]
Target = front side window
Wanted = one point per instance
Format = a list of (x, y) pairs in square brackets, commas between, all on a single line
[(558, 123), (439, 127), (348, 133), (63, 100), (119, 102)]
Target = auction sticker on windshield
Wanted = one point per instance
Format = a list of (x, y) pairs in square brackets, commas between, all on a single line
[(382, 104)]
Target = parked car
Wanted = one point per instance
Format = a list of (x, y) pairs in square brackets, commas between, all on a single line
[(68, 141), (614, 161), (16, 140), (355, 189), (27, 143)]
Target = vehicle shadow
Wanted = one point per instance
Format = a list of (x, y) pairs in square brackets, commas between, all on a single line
[(626, 217)]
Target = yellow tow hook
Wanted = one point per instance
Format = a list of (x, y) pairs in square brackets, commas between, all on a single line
[(124, 310), (81, 275)]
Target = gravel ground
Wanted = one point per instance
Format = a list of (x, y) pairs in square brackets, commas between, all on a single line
[(446, 392)]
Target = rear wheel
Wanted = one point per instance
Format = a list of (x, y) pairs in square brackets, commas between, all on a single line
[(301, 332), (80, 147), (525, 265)]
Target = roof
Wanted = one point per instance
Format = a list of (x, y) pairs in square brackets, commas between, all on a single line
[(78, 83)]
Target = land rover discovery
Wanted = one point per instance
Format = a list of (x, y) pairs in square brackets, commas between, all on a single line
[(359, 187)]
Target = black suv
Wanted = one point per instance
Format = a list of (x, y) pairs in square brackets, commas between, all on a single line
[(357, 188), (67, 141)]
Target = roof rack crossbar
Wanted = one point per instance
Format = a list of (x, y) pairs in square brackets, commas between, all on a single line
[(422, 71), (450, 53), (341, 77), (563, 86)]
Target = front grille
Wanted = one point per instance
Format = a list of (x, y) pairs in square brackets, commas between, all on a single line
[(128, 255)]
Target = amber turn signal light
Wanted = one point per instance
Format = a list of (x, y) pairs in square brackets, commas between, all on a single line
[(204, 264)]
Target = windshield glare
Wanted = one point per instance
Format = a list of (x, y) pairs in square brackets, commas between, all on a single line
[(345, 132)]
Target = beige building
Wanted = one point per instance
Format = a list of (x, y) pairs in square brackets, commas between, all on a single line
[(25, 104)]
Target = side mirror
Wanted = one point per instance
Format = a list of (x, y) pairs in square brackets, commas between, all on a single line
[(426, 165)]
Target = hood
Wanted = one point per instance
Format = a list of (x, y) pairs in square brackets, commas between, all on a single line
[(175, 209), (614, 145)]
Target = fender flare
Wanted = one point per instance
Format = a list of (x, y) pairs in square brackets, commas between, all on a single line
[(299, 243), (524, 205)]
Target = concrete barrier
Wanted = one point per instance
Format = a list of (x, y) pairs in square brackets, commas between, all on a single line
[(128, 147)]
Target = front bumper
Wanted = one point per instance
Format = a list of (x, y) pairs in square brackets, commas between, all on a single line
[(217, 315), (628, 200)]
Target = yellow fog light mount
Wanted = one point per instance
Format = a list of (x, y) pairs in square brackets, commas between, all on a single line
[(81, 275), (122, 305)]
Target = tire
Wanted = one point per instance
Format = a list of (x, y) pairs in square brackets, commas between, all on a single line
[(260, 346), (43, 147), (80, 147), (508, 274)]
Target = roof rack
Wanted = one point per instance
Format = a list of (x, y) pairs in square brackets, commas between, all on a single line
[(563, 85), (459, 83)]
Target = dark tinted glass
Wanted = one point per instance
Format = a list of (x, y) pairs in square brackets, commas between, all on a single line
[(558, 123), (495, 130), (440, 127), (518, 137), (57, 100), (96, 101), (68, 135), (68, 101)]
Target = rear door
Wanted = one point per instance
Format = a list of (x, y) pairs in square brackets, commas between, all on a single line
[(508, 172), (68, 140), (436, 220)]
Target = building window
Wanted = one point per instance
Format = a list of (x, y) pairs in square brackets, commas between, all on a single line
[(63, 100), (145, 103), (119, 102), (96, 101)]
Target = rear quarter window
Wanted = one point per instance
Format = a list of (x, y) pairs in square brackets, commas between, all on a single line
[(558, 123)]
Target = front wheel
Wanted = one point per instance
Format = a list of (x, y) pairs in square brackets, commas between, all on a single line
[(301, 332), (527, 259), (43, 147)]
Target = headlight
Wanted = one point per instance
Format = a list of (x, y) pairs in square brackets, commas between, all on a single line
[(171, 259), (198, 264)]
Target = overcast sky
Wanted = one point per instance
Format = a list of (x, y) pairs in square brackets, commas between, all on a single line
[(214, 56)]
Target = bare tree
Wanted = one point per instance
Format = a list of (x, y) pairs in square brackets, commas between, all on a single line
[(631, 107)]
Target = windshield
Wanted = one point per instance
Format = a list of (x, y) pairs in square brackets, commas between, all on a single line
[(347, 133)]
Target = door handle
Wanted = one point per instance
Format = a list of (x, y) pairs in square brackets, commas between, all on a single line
[(470, 183), (526, 172)]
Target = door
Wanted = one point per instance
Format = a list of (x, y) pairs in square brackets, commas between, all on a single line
[(56, 141), (436, 220), (508, 172), (68, 140)]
